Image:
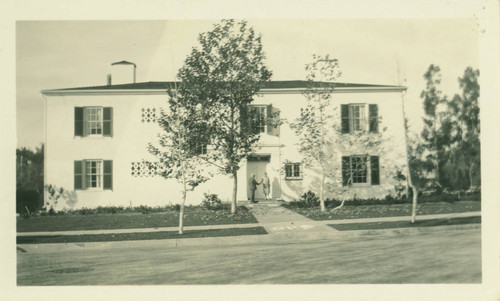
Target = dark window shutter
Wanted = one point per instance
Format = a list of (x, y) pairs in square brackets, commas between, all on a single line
[(107, 121), (269, 119), (78, 175), (346, 170), (108, 175), (344, 112), (375, 170), (373, 113), (78, 121)]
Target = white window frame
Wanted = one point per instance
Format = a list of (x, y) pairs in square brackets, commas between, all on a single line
[(87, 129), (294, 167), (368, 171), (358, 122), (98, 174)]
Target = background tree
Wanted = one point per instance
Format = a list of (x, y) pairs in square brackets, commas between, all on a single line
[(29, 178), (180, 149), (223, 75), (465, 145), (431, 134)]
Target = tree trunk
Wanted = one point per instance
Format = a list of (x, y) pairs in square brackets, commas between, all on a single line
[(184, 192), (322, 193), (414, 205), (339, 206), (470, 174), (181, 214), (235, 190)]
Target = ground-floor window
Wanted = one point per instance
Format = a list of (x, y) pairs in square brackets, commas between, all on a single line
[(293, 171), (93, 174), (360, 170)]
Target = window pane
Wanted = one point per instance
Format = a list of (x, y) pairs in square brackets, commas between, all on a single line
[(288, 170), (296, 170), (93, 118)]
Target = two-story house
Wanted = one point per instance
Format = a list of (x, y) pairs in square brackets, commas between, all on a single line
[(96, 141)]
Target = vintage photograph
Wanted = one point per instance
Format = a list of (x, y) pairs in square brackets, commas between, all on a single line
[(248, 152)]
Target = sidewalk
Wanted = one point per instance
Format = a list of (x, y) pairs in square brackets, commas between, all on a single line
[(275, 219)]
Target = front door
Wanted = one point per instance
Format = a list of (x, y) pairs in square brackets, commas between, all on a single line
[(258, 167)]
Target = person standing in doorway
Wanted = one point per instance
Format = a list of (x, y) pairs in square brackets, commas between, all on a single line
[(266, 185), (252, 184)]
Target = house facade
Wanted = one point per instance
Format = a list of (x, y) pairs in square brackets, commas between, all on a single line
[(96, 141)]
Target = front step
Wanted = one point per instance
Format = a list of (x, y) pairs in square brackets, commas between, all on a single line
[(262, 202)]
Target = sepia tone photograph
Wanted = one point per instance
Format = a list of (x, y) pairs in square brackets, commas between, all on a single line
[(221, 152)]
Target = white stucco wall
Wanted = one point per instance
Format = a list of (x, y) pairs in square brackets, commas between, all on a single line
[(131, 137)]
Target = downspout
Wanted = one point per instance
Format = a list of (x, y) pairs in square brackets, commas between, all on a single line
[(45, 149)]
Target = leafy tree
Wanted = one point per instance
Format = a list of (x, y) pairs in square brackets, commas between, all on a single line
[(313, 126), (431, 134), (223, 74), (465, 141), (179, 150), (321, 140), (29, 177)]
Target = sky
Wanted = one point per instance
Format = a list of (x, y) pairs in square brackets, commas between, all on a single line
[(65, 54)]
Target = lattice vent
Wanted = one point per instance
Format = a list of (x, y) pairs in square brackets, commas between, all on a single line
[(145, 169), (148, 115)]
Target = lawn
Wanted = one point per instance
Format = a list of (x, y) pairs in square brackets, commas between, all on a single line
[(407, 224), (369, 211), (193, 216), (139, 236)]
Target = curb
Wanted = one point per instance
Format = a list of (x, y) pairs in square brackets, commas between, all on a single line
[(241, 240)]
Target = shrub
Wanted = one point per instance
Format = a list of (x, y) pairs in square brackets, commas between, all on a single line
[(144, 209), (307, 200), (27, 202), (211, 202)]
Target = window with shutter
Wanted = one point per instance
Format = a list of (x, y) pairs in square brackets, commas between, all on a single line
[(93, 121), (355, 119), (259, 120), (93, 174), (360, 170)]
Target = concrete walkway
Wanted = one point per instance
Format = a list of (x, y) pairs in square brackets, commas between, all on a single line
[(274, 218)]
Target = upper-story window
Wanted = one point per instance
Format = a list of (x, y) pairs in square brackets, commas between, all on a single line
[(93, 121), (355, 118), (260, 117), (266, 119)]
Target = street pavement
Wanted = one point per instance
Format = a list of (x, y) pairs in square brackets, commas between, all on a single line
[(296, 251)]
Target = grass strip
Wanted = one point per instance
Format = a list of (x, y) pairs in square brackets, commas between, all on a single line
[(407, 224), (192, 217), (139, 236), (371, 211)]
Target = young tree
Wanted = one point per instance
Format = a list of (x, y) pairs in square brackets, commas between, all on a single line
[(323, 138), (223, 75), (431, 133), (180, 148), (314, 124)]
